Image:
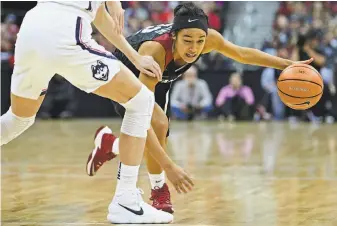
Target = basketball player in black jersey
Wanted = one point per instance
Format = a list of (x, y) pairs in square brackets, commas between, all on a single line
[(175, 47)]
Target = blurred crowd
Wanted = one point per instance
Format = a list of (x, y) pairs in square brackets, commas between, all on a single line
[(141, 14), (304, 30), (9, 30), (301, 30)]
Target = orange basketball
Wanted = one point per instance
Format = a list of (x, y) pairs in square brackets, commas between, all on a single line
[(300, 86)]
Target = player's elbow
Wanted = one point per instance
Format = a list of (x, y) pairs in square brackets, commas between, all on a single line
[(243, 55)]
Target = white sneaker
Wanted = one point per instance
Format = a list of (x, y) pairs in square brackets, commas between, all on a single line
[(129, 208)]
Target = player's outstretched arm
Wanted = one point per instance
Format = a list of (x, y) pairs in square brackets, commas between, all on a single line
[(110, 28), (178, 177), (215, 41)]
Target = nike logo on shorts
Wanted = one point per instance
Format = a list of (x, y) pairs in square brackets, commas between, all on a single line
[(189, 20)]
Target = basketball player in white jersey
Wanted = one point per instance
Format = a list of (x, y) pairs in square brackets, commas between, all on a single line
[(55, 37)]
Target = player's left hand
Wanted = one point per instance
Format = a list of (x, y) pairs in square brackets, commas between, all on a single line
[(179, 178), (304, 61)]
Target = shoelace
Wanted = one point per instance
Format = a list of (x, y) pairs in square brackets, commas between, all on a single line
[(162, 195)]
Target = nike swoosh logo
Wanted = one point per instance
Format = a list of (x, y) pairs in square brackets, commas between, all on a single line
[(307, 103), (158, 181), (189, 20), (137, 212)]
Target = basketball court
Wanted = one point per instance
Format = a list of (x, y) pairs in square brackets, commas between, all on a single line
[(245, 174)]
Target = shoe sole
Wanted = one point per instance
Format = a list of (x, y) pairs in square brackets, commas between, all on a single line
[(98, 139), (114, 220), (167, 210), (118, 215)]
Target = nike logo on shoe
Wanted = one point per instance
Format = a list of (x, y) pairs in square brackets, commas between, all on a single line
[(158, 181), (189, 20), (137, 212), (307, 103)]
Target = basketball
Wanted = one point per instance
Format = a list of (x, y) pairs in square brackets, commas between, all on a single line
[(300, 86)]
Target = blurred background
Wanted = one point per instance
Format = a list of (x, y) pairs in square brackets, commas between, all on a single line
[(227, 90)]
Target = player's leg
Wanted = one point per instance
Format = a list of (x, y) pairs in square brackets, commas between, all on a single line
[(138, 102), (160, 125), (28, 87), (160, 194), (125, 89), (19, 117), (105, 76)]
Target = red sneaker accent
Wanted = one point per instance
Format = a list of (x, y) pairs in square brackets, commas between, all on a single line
[(102, 152), (161, 198)]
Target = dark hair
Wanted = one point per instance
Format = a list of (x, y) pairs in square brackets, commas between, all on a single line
[(189, 9), (314, 34)]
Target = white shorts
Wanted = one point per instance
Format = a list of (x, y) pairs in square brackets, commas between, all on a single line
[(56, 39)]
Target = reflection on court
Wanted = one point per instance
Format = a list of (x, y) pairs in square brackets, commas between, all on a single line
[(249, 174)]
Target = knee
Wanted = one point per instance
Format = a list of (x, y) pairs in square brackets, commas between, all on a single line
[(138, 113), (160, 126), (142, 102)]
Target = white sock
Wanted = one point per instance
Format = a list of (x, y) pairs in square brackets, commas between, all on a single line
[(115, 147), (157, 180), (127, 177)]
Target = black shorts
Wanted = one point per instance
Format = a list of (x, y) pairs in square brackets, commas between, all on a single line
[(162, 98)]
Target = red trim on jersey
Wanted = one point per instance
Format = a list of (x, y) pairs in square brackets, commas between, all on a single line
[(88, 47), (166, 41)]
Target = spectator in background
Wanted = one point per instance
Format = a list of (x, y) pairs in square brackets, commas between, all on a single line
[(9, 30), (328, 73), (191, 97), (309, 45), (136, 10), (268, 82), (211, 9), (301, 26), (235, 100), (282, 24), (161, 12)]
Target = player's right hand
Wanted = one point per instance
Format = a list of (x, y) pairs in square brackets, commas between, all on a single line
[(179, 178), (148, 66)]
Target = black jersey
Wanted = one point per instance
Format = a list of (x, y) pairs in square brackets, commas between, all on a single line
[(160, 34)]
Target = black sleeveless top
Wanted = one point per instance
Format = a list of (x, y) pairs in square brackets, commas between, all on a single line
[(160, 34)]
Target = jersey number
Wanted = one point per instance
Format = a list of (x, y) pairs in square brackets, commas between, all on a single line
[(160, 29)]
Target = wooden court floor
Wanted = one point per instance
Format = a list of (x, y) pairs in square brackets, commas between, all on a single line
[(246, 174)]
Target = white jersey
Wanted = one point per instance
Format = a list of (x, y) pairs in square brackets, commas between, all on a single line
[(55, 38), (89, 7)]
